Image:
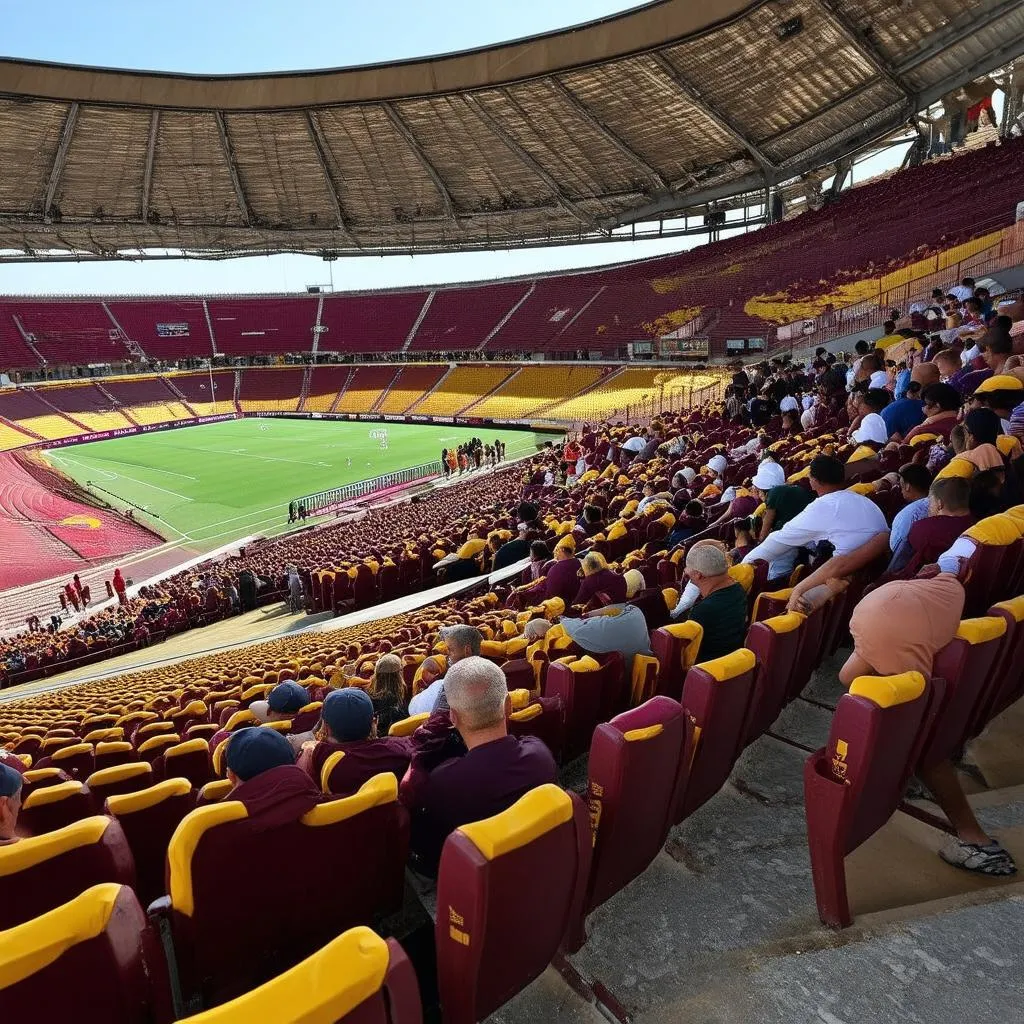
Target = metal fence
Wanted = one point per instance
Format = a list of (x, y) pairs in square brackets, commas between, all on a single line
[(325, 502)]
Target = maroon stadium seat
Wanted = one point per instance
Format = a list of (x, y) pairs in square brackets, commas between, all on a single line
[(357, 978), (716, 699), (149, 818), (519, 675), (39, 778), (591, 691), (508, 890), (224, 943), (854, 783), (675, 646), (776, 645), (53, 807), (43, 872), (189, 760), (1009, 686), (95, 959), (121, 778), (635, 771), (78, 760), (994, 562), (109, 755), (544, 718)]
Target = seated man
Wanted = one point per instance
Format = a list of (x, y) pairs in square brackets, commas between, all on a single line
[(599, 579), (900, 627), (949, 514), (722, 608), (914, 483), (10, 803), (348, 725), (462, 642), (283, 703), (513, 551), (496, 770), (905, 413), (872, 428), (261, 766)]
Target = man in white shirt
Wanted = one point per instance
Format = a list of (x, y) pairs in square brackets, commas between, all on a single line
[(964, 290), (872, 427), (637, 443), (789, 404), (844, 518), (462, 642)]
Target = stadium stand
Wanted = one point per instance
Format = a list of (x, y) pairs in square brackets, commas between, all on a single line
[(244, 327), (25, 408), (165, 329), (66, 332), (272, 390), (461, 388), (326, 385), (195, 387), (87, 404), (532, 388), (408, 387), (463, 319), (374, 322), (146, 400), (365, 387)]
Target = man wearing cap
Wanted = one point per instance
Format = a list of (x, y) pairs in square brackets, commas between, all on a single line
[(462, 642), (1001, 393), (349, 726), (493, 773), (782, 502), (261, 766), (283, 703), (10, 803)]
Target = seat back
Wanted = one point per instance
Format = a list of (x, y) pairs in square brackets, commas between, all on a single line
[(357, 978), (520, 675), (543, 717), (854, 783), (776, 644), (53, 807), (77, 760), (189, 760), (993, 563), (634, 771), (508, 890), (716, 699), (154, 747), (583, 686), (40, 778), (149, 818), (1009, 686), (122, 778), (223, 943), (968, 666), (675, 646), (113, 753), (96, 952), (41, 873)]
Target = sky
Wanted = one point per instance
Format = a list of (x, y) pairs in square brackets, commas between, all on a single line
[(239, 36)]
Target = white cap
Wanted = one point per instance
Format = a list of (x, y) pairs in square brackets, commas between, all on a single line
[(718, 463), (879, 379), (769, 475)]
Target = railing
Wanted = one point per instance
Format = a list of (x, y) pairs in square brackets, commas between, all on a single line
[(865, 314), (325, 502)]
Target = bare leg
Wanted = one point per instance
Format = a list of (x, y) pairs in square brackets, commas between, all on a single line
[(942, 780)]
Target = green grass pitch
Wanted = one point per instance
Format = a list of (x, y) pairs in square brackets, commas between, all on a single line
[(213, 483)]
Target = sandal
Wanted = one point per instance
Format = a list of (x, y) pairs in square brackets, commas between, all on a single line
[(987, 859)]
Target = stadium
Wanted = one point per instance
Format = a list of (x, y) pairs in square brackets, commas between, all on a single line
[(634, 632)]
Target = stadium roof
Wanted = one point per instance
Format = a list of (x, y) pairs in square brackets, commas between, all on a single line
[(546, 139)]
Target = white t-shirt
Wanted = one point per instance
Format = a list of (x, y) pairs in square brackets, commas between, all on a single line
[(961, 292), (789, 404), (844, 518), (878, 379), (872, 428), (426, 699)]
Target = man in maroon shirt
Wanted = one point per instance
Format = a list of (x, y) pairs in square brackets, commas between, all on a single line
[(443, 791), (948, 516), (348, 727)]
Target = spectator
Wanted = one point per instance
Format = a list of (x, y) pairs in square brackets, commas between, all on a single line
[(964, 290), (283, 703), (690, 522), (599, 579), (119, 587), (10, 803), (782, 502), (512, 551), (940, 404), (295, 601), (496, 770), (872, 428), (261, 766), (387, 691), (905, 413), (466, 563), (722, 608), (900, 627), (540, 555), (843, 518), (1001, 393), (948, 516), (981, 429), (461, 642), (247, 590), (350, 726), (915, 480)]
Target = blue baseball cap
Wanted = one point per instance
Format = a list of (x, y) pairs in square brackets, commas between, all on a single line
[(288, 698), (10, 780), (348, 714), (255, 750)]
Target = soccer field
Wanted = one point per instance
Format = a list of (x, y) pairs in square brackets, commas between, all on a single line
[(210, 484)]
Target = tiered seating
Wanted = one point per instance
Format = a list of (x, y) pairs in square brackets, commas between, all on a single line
[(374, 322), (460, 319), (325, 384), (165, 329), (196, 389), (527, 392), (365, 388), (23, 407), (147, 399), (633, 388), (274, 390), (67, 332), (14, 353), (86, 404), (10, 437), (411, 384), (263, 325), (461, 388)]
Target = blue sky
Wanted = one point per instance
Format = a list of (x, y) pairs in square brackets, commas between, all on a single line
[(237, 36)]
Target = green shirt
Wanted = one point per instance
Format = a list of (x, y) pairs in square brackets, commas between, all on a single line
[(723, 615), (787, 501)]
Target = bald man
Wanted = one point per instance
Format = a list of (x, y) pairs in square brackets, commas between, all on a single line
[(925, 374)]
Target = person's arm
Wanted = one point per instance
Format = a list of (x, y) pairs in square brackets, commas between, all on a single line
[(767, 522), (687, 599), (840, 567)]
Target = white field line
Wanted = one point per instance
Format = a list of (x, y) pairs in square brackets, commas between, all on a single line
[(149, 469)]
